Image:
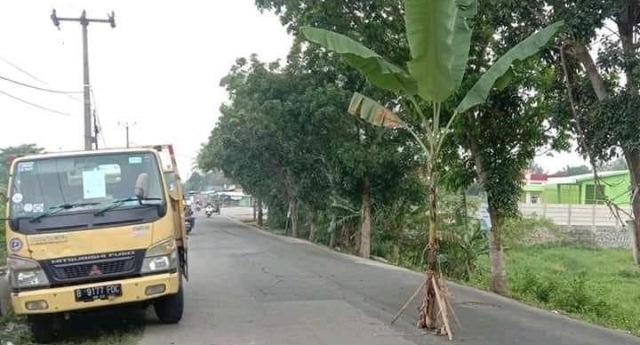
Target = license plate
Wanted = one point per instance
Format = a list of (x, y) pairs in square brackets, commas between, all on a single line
[(98, 292)]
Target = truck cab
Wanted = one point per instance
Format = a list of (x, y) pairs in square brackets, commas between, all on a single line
[(94, 229)]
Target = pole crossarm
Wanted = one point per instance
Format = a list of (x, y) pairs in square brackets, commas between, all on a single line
[(89, 137)]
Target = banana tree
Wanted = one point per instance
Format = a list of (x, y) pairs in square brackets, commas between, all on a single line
[(439, 39)]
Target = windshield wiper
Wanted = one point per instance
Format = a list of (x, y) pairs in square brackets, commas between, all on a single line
[(59, 208), (119, 202)]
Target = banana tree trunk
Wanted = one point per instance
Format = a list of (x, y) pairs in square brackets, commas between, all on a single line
[(429, 309), (365, 229)]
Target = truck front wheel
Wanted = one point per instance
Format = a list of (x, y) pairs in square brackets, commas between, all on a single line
[(169, 309), (43, 328)]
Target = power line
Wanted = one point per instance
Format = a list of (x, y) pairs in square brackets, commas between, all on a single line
[(22, 70), (34, 104), (36, 87)]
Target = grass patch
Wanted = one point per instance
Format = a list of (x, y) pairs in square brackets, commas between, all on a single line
[(595, 285), (112, 327)]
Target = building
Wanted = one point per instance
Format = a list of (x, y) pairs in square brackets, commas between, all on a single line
[(578, 189)]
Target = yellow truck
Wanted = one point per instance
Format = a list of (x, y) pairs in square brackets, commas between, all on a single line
[(95, 229)]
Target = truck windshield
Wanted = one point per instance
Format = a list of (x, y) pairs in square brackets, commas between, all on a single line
[(64, 186)]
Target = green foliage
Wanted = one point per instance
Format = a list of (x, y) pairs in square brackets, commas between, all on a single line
[(612, 125), (462, 243), (598, 286), (524, 231), (206, 181), (574, 170)]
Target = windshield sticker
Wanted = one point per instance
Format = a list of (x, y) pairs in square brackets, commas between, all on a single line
[(94, 184), (135, 160), (15, 244), (17, 198), (28, 208), (38, 208), (25, 166)]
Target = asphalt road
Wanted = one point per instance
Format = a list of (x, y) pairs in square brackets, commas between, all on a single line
[(250, 287)]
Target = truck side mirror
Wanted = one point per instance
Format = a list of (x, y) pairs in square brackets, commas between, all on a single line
[(142, 186)]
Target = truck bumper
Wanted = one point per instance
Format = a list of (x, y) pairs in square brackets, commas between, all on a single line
[(55, 300)]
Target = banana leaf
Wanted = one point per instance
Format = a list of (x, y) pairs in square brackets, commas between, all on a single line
[(530, 46), (373, 112), (377, 69)]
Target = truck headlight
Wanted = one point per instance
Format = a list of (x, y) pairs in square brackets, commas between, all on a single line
[(25, 273), (161, 257)]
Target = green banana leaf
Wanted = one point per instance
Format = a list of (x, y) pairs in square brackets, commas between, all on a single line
[(373, 112), (430, 32), (378, 70), (466, 10), (530, 46)]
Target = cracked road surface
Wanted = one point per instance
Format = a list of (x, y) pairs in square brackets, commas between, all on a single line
[(248, 287)]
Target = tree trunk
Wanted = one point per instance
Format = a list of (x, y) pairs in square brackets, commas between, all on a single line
[(312, 226), (255, 211), (429, 309), (633, 160), (332, 235), (260, 214), (496, 254), (496, 250), (293, 211), (365, 228)]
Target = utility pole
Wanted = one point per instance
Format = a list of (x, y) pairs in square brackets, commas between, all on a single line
[(126, 126), (84, 21)]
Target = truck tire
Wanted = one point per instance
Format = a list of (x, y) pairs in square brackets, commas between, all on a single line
[(43, 328), (169, 309)]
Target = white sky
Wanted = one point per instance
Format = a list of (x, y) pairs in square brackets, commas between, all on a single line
[(160, 68)]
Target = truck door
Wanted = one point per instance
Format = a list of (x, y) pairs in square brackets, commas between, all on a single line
[(174, 185)]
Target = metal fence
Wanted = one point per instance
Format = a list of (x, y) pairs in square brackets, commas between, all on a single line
[(576, 215)]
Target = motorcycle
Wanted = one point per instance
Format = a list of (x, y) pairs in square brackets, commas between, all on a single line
[(209, 211), (189, 220)]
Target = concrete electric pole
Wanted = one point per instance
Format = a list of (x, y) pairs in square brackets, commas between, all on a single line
[(84, 21), (126, 126)]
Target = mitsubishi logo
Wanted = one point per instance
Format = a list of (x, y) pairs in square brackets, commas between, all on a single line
[(95, 271)]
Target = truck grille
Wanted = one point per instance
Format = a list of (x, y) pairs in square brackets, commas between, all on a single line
[(93, 266), (108, 268)]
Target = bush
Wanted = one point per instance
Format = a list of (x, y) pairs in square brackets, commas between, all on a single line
[(596, 285)]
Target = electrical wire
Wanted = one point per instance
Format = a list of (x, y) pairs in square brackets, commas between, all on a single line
[(22, 70), (35, 105), (37, 87)]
